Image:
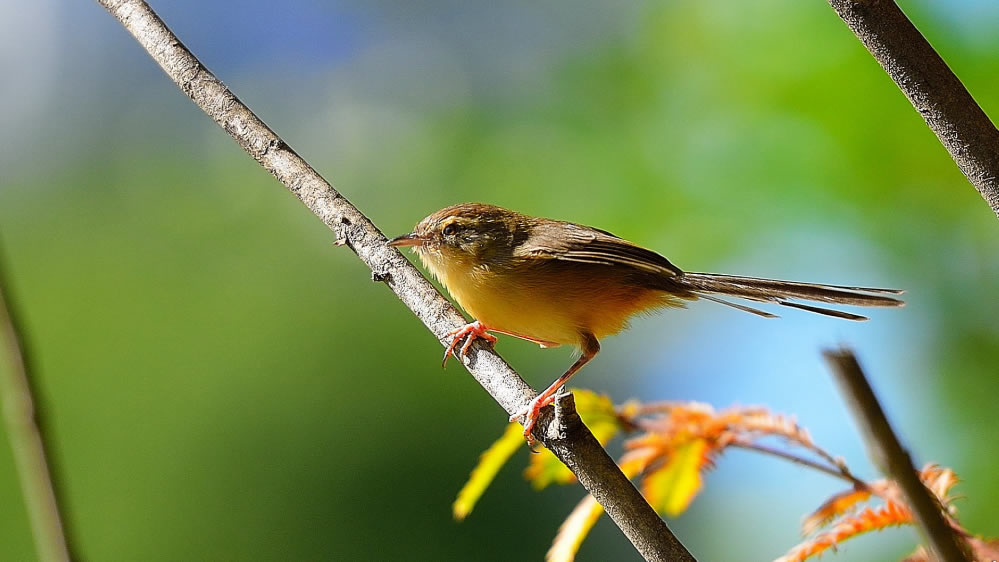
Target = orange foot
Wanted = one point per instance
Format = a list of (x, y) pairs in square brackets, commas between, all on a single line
[(469, 332), (530, 414)]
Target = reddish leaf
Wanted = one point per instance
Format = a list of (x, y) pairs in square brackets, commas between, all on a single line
[(834, 506), (847, 527)]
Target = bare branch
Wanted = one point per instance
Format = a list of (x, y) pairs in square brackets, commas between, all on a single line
[(932, 88), (24, 425), (573, 444), (887, 453)]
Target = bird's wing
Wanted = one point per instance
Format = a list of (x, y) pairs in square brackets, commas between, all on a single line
[(577, 243)]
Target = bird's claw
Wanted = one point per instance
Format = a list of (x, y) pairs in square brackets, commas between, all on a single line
[(469, 332), (528, 416)]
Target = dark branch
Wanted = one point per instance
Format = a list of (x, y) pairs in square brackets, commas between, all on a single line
[(887, 453), (24, 424), (932, 88), (574, 444)]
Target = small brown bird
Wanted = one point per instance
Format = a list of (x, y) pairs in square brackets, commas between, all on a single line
[(553, 282)]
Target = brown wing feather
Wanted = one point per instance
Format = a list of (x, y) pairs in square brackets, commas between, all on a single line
[(577, 243)]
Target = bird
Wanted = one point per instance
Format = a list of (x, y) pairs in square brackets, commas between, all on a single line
[(553, 283)]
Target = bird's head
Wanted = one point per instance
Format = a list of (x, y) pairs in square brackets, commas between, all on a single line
[(465, 236)]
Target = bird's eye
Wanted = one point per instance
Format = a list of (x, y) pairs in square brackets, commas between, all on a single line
[(449, 230)]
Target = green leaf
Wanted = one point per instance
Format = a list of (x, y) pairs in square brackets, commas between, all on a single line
[(597, 412), (574, 530), (670, 489), (489, 465)]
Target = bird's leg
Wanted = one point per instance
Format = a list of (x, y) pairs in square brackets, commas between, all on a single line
[(479, 330), (590, 348), (471, 331), (541, 343)]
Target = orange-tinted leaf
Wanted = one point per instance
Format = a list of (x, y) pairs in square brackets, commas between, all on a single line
[(761, 421), (834, 506), (489, 464), (671, 488), (636, 460), (847, 527), (939, 481), (575, 528)]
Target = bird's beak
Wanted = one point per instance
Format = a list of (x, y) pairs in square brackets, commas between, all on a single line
[(411, 239)]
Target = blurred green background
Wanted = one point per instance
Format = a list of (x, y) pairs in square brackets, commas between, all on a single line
[(226, 384)]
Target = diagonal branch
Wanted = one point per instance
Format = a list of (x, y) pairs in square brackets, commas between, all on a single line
[(24, 424), (573, 444), (893, 460), (932, 88)]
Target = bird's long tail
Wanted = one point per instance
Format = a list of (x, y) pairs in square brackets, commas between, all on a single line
[(784, 293)]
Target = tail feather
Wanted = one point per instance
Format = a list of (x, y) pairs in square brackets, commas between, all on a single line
[(741, 307), (826, 311), (779, 292)]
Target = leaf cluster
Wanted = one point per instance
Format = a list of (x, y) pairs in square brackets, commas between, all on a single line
[(673, 444)]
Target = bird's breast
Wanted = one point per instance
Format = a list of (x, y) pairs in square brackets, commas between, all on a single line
[(549, 304)]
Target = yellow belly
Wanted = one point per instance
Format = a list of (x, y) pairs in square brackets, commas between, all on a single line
[(533, 313), (545, 308)]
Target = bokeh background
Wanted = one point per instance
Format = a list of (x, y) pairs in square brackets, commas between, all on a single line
[(226, 384)]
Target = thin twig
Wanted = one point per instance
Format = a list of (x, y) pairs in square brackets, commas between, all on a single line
[(798, 438), (887, 453), (576, 446), (837, 462), (932, 88), (835, 471), (24, 425)]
